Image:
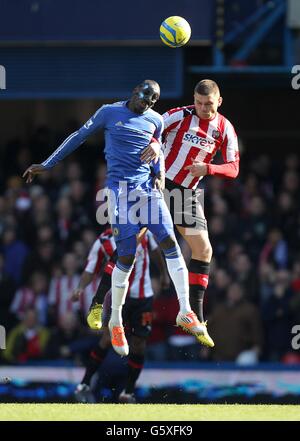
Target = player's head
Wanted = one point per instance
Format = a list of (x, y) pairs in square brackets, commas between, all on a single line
[(207, 99), (144, 96)]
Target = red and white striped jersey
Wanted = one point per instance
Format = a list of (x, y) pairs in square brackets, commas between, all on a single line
[(60, 294), (24, 299), (139, 281), (101, 252), (187, 137)]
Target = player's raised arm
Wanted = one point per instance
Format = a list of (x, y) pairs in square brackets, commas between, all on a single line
[(95, 123)]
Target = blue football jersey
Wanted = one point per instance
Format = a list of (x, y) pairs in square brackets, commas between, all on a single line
[(126, 135)]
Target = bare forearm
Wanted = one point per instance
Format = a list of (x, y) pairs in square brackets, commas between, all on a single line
[(85, 280)]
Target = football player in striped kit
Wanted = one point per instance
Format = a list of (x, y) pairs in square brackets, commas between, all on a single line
[(137, 311), (192, 136)]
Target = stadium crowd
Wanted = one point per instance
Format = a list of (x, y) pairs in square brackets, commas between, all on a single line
[(48, 227)]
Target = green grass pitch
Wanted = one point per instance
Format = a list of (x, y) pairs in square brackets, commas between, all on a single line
[(148, 412)]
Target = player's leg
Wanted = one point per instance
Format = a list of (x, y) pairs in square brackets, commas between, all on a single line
[(95, 310), (136, 359), (139, 318), (162, 227), (125, 237), (97, 355), (199, 265), (120, 281)]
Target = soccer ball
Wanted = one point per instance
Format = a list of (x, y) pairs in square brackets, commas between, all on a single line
[(175, 31)]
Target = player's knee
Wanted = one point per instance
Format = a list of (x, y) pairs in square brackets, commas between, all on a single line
[(127, 260), (206, 253), (202, 250)]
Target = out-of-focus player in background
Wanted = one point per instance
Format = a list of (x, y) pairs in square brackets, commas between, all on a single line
[(137, 311), (129, 128), (192, 136), (101, 259)]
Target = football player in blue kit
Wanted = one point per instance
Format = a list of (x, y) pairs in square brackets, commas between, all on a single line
[(131, 129)]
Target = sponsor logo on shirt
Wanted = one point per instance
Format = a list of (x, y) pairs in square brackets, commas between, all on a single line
[(205, 143)]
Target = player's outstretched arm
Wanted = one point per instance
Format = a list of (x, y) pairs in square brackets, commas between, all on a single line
[(32, 170), (85, 280)]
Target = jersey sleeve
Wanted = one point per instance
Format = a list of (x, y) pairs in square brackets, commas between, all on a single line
[(230, 154), (95, 258), (172, 118), (229, 147), (95, 123)]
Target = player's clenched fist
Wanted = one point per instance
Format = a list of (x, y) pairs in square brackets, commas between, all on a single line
[(151, 152)]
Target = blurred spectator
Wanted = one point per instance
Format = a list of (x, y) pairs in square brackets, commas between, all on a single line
[(285, 216), (27, 341), (42, 212), (157, 342), (3, 213), (61, 287), (33, 296), (7, 288), (277, 317), (64, 219), (42, 259), (73, 171), (253, 228), (219, 236), (14, 252), (291, 182), (275, 250), (235, 326), (295, 297), (266, 277), (81, 252), (217, 289), (292, 162), (243, 273), (69, 340), (88, 237)]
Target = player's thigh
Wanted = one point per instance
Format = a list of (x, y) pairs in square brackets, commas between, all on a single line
[(160, 221), (198, 240), (126, 249), (186, 206)]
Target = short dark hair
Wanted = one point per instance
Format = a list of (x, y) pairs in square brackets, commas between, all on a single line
[(206, 87)]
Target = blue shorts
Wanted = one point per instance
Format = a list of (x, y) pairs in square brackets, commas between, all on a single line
[(134, 207)]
